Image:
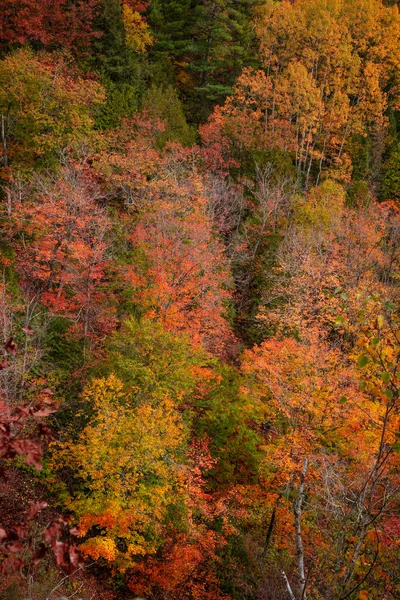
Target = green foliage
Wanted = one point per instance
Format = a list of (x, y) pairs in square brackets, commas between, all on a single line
[(390, 188), (163, 103), (44, 108), (111, 56), (230, 426), (121, 102), (206, 43), (223, 43), (153, 363)]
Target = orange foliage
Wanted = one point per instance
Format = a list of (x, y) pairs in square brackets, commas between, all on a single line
[(65, 261), (181, 275)]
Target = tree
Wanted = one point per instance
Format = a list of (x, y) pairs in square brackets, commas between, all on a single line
[(338, 437), (205, 43), (322, 82), (330, 263), (63, 24), (64, 264), (46, 108), (129, 459), (178, 273)]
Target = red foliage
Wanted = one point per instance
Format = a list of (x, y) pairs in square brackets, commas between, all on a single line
[(53, 23), (21, 434), (181, 273), (65, 261), (187, 565)]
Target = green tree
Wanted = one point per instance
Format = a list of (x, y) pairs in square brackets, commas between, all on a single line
[(390, 187), (45, 106), (204, 43), (162, 102)]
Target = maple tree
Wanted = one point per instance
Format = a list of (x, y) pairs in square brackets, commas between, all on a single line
[(65, 264), (51, 24), (182, 276), (319, 421)]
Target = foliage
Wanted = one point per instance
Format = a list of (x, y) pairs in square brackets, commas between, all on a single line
[(46, 108), (215, 307), (128, 461), (48, 24)]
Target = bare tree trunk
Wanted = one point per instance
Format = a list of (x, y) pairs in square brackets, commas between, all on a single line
[(4, 127), (297, 523), (288, 586)]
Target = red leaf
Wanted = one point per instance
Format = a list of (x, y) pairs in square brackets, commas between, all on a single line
[(20, 531), (16, 547), (32, 451), (74, 556), (52, 532), (60, 550), (44, 412), (10, 346), (11, 563), (39, 554), (35, 508), (47, 391), (28, 330), (46, 432)]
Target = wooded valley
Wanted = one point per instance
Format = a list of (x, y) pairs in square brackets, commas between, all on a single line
[(200, 300)]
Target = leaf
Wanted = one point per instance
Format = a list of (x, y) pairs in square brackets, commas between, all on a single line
[(10, 347), (32, 450), (389, 394), (47, 391), (35, 508), (380, 321), (39, 554), (44, 412), (362, 360), (28, 330), (385, 377), (16, 547), (396, 447), (46, 432), (52, 532)]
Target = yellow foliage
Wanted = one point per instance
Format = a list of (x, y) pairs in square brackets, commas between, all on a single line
[(100, 547), (323, 207), (137, 33), (128, 459)]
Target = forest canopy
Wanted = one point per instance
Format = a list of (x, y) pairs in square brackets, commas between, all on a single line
[(199, 299)]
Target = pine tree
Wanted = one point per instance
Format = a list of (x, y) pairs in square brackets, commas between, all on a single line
[(204, 44)]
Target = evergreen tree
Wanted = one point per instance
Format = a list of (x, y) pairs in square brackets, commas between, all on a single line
[(203, 44), (222, 44), (122, 70)]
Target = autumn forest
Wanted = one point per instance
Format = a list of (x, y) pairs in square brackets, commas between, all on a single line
[(200, 299)]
